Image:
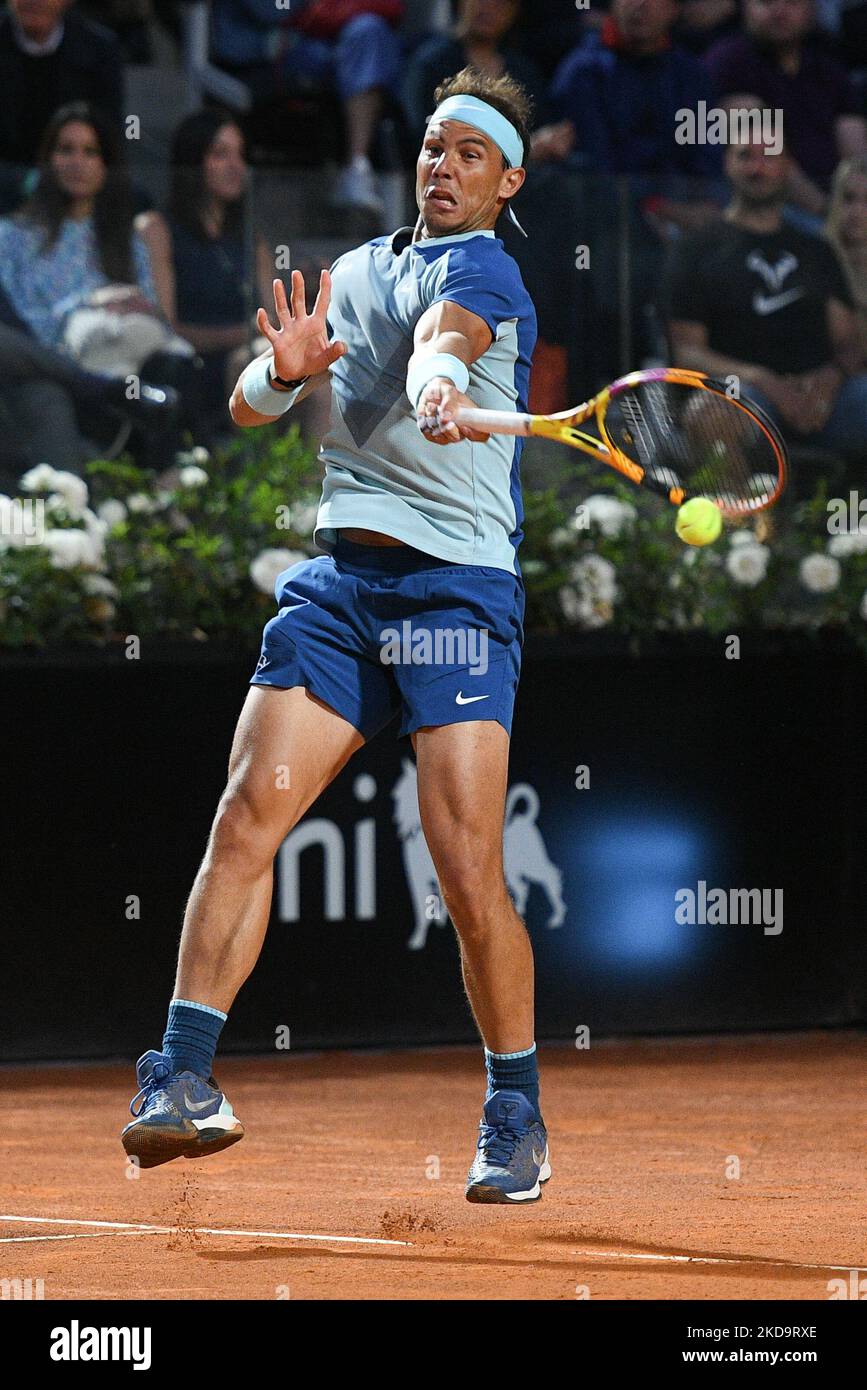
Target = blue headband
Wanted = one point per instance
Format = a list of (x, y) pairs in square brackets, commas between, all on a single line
[(474, 112)]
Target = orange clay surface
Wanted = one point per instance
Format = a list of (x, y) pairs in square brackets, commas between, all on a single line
[(645, 1135)]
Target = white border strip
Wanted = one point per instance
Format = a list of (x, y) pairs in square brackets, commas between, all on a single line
[(135, 1227)]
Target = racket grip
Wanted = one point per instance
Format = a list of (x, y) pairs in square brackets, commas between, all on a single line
[(494, 421)]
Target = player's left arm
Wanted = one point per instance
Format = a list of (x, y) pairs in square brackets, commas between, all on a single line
[(450, 330)]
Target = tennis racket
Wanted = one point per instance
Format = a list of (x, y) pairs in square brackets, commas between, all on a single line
[(676, 432)]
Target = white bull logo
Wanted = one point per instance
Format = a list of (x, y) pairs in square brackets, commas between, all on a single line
[(525, 857)]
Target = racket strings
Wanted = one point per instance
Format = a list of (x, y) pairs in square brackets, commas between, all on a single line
[(697, 440)]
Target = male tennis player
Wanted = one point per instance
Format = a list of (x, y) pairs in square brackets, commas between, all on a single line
[(419, 323)]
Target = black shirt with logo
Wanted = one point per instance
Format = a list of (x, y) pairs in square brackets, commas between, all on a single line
[(761, 295)]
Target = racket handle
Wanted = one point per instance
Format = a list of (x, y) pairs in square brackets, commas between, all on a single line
[(494, 421)]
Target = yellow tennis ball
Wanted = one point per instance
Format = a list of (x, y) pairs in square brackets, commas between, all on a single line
[(699, 521)]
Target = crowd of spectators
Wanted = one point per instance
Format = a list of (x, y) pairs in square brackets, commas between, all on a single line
[(752, 253)]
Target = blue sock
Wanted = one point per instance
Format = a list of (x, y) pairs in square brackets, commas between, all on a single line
[(191, 1035), (514, 1071)]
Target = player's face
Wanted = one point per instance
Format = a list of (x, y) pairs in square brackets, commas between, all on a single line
[(757, 174), (76, 161), (459, 176)]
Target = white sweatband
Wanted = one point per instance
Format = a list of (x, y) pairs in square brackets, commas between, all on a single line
[(438, 364), (260, 395)]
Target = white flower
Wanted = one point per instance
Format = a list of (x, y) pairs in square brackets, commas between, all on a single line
[(268, 564), (561, 535), (595, 577), (72, 489), (863, 609), (762, 485), (196, 455), (71, 548), (819, 573), (743, 537), (38, 479), (100, 585), (302, 516), (747, 564), (847, 543), (609, 514), (841, 546), (192, 476), (531, 567), (139, 502), (111, 511), (577, 609)]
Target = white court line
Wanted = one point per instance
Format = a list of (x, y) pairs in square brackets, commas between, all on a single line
[(757, 1261), (82, 1235), (134, 1226)]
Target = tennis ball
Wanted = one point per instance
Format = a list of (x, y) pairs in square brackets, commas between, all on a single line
[(699, 521)]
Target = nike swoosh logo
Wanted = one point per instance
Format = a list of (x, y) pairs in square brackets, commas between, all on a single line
[(196, 1105), (770, 303), (469, 699)]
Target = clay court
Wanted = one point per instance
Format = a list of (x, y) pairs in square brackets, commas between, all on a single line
[(333, 1193)]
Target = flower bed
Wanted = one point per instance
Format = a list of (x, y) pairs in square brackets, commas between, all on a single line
[(194, 555)]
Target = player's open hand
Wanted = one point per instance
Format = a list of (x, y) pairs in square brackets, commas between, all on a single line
[(435, 413), (301, 346)]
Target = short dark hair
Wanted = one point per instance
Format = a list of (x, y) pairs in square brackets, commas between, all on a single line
[(503, 93)]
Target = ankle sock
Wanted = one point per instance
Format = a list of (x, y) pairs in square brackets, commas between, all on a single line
[(514, 1071), (191, 1036)]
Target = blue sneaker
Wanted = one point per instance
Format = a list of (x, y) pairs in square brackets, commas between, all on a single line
[(512, 1156), (181, 1115)]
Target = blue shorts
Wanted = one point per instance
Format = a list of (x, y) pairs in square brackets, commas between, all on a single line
[(376, 629)]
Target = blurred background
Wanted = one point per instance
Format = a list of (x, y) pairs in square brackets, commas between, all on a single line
[(160, 163)]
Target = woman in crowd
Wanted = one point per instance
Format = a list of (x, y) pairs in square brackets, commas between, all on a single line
[(71, 250), (199, 252), (846, 229)]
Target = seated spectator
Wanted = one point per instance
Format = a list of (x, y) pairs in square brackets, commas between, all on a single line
[(546, 29), (50, 56), (616, 97), (480, 39), (71, 251), (128, 20), (701, 23), (846, 229), (350, 46), (198, 250), (759, 300), (781, 63)]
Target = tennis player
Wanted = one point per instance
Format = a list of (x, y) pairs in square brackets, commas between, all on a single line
[(421, 522)]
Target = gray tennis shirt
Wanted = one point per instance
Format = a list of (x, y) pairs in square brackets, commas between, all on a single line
[(462, 501)]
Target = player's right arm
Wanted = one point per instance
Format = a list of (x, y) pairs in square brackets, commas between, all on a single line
[(299, 348)]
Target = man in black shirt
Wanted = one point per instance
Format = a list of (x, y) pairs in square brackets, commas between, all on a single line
[(755, 299), (49, 55)]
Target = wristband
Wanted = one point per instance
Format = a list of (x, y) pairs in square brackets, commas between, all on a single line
[(437, 364), (260, 395)]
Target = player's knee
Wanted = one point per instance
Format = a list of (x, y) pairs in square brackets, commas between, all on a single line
[(472, 889), (239, 830)]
